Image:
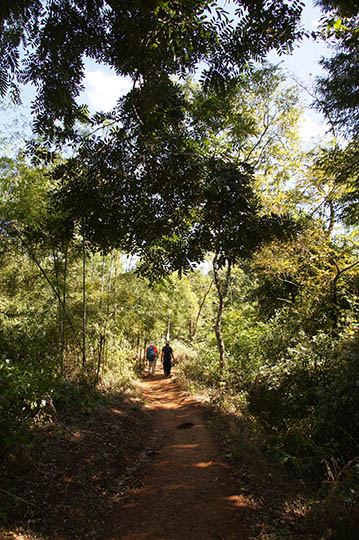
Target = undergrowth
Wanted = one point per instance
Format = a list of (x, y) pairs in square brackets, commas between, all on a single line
[(64, 483), (272, 422)]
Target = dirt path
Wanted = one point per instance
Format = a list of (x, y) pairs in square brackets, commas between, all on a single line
[(188, 492)]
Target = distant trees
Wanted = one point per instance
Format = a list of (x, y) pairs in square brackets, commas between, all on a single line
[(66, 314), (71, 282)]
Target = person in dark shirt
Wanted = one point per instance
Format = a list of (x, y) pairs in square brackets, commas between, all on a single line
[(166, 359)]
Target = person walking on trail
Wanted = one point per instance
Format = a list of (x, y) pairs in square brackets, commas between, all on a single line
[(151, 355), (166, 357)]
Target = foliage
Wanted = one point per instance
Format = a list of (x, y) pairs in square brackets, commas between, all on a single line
[(24, 387), (303, 400), (289, 327), (203, 368), (139, 39), (175, 174), (337, 90), (256, 121), (146, 168), (341, 164)]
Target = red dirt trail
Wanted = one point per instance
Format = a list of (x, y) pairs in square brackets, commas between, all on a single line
[(187, 491)]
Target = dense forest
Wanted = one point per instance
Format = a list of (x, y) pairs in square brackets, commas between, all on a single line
[(193, 212)]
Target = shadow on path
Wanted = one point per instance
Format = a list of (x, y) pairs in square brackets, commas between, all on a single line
[(188, 492)]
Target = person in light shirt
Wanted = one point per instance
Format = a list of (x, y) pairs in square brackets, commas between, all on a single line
[(151, 355)]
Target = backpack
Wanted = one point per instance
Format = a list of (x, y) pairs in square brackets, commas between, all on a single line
[(150, 354)]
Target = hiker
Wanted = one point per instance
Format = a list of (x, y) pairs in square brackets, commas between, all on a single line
[(151, 355), (166, 357)]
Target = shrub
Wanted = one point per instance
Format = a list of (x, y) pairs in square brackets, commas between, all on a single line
[(23, 391), (309, 403)]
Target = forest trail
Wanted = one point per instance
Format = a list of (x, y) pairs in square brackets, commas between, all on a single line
[(187, 492)]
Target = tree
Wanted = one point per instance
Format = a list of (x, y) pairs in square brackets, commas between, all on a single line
[(148, 187), (144, 168), (339, 101), (338, 90), (31, 224), (252, 128), (139, 38), (255, 122)]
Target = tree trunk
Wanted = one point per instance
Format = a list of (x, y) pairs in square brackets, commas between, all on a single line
[(195, 326), (115, 303), (101, 336), (331, 217), (61, 313), (222, 292), (144, 351), (63, 326), (99, 357), (83, 301), (168, 330), (55, 291), (138, 347), (108, 309)]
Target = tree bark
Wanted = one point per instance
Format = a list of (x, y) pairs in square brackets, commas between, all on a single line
[(83, 301), (138, 347), (115, 301), (61, 314), (108, 310), (222, 292), (168, 329), (63, 326), (144, 351), (195, 326)]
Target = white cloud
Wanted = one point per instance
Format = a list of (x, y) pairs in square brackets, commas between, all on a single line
[(102, 90)]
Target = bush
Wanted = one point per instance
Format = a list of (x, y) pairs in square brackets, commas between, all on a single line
[(23, 391), (201, 366)]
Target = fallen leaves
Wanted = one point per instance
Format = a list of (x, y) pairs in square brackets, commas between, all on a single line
[(68, 492)]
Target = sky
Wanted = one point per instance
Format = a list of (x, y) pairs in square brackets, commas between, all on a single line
[(303, 67)]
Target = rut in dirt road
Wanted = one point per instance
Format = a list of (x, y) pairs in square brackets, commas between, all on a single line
[(187, 492)]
